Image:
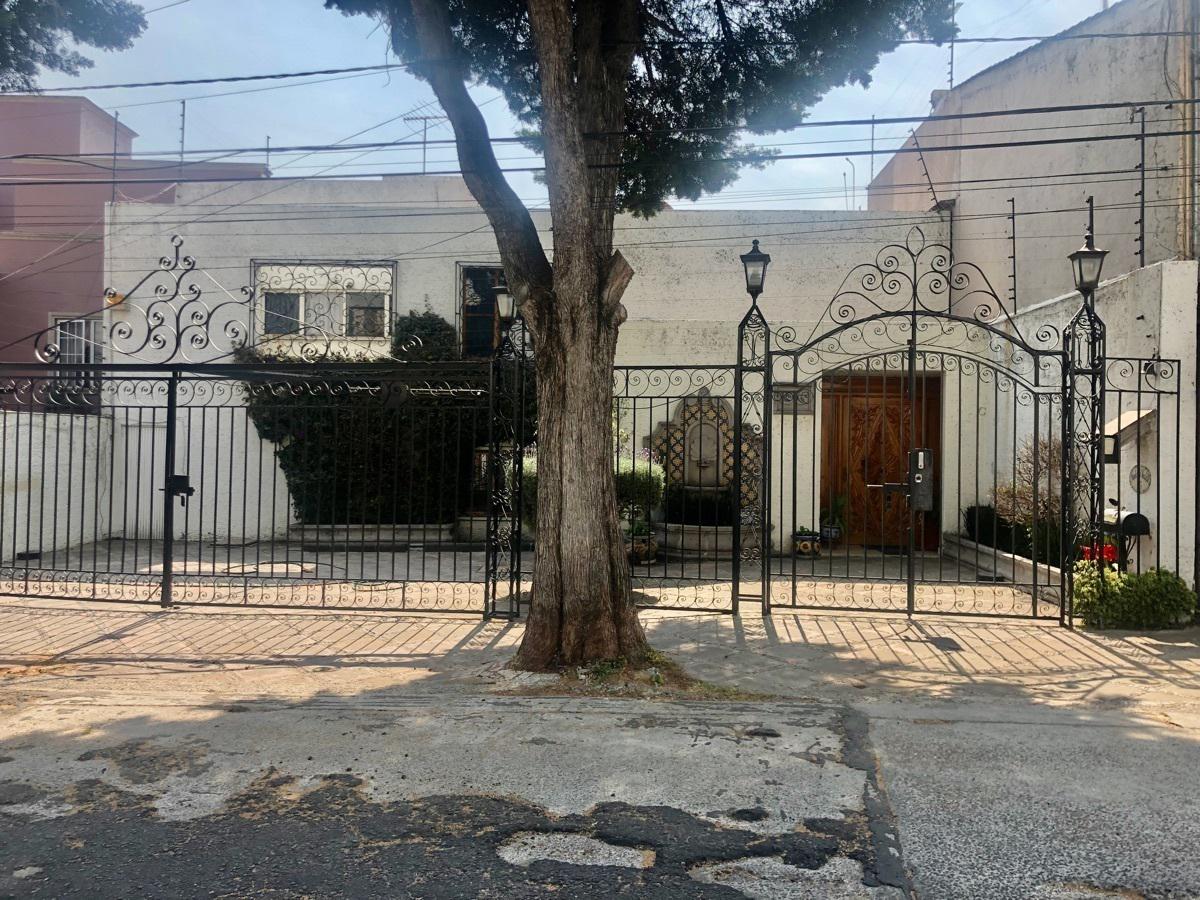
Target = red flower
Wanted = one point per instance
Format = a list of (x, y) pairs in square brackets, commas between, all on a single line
[(1105, 552)]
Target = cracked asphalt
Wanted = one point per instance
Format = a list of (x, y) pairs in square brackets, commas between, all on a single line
[(355, 797)]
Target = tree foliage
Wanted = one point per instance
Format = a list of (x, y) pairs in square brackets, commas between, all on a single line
[(34, 34), (704, 73)]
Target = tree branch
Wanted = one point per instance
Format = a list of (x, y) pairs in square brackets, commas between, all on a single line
[(527, 269)]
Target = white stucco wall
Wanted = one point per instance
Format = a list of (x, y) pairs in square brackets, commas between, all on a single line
[(686, 261), (56, 484)]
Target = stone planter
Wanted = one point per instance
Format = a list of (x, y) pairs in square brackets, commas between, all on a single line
[(472, 529), (707, 540), (368, 537)]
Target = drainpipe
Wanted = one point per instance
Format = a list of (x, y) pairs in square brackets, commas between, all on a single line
[(1191, 21)]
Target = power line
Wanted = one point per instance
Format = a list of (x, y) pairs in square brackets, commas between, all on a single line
[(994, 39), (336, 212), (220, 153), (746, 159), (224, 79), (824, 123)]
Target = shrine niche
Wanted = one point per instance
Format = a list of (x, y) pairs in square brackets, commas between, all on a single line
[(696, 450)]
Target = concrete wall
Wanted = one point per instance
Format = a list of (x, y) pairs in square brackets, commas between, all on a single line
[(1044, 180), (56, 484)]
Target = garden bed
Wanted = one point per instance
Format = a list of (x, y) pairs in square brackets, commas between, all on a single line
[(1011, 568)]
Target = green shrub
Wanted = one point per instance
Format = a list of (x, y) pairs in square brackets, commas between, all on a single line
[(639, 484), (1153, 599), (983, 525), (354, 451)]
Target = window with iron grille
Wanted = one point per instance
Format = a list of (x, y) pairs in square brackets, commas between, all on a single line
[(79, 341), (484, 321), (281, 313), (324, 300)]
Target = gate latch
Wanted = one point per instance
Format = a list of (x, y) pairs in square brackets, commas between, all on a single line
[(919, 487), (179, 486)]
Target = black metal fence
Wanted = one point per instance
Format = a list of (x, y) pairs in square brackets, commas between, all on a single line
[(915, 451), (350, 486)]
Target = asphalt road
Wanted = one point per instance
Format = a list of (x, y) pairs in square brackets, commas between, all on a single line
[(382, 796)]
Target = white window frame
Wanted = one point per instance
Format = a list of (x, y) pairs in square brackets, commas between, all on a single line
[(92, 338), (338, 280)]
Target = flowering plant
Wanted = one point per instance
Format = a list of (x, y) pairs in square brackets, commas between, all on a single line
[(1104, 552)]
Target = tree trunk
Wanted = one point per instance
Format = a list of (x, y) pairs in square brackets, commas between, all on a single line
[(581, 609)]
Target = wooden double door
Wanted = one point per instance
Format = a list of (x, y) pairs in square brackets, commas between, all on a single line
[(868, 427)]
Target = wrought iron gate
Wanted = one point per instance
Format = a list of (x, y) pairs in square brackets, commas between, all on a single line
[(927, 449), (205, 462)]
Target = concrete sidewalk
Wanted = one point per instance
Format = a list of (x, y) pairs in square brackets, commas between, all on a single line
[(827, 655), (198, 752)]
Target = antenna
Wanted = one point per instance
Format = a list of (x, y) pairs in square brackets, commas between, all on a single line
[(424, 120)]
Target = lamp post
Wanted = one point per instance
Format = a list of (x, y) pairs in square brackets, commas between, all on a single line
[(752, 427), (1088, 260), (755, 263), (1084, 408)]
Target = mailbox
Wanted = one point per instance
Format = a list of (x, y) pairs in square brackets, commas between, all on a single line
[(1127, 527), (1125, 524)]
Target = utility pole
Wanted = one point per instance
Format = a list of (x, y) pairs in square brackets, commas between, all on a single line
[(424, 120), (116, 127), (853, 184), (1141, 192), (182, 132), (268, 153), (872, 147), (1012, 255)]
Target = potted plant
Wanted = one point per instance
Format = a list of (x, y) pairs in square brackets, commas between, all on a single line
[(640, 543), (833, 518), (806, 542)]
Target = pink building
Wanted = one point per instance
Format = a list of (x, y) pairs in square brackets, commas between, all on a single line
[(52, 235)]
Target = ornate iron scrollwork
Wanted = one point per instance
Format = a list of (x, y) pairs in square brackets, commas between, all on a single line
[(307, 311), (916, 286)]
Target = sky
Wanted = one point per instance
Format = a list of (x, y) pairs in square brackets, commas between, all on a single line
[(211, 38)]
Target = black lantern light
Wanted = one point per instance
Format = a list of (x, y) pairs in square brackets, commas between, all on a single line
[(755, 263), (505, 303), (1087, 261)]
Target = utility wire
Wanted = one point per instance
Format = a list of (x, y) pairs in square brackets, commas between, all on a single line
[(747, 159), (222, 153), (822, 123), (336, 214), (223, 79)]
